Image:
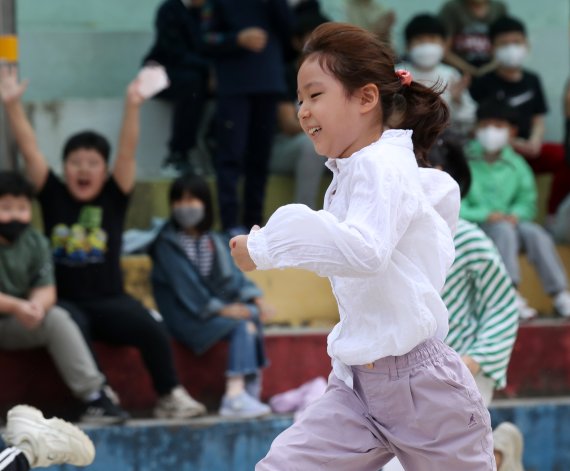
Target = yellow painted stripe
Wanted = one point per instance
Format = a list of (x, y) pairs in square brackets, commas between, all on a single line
[(9, 48)]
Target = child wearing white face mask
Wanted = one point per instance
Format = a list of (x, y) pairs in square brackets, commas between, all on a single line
[(426, 44), (502, 200), (521, 89)]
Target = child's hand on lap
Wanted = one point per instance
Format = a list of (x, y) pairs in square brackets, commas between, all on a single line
[(238, 246), (29, 314)]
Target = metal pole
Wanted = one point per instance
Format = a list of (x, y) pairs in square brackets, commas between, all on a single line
[(8, 55)]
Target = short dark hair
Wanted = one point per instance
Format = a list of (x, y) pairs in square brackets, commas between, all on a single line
[(447, 153), (196, 186), (14, 184), (424, 24), (506, 24), (497, 109), (88, 140)]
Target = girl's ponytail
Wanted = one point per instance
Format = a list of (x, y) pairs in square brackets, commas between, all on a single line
[(417, 107)]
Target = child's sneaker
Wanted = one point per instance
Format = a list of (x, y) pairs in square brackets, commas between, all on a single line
[(525, 311), (47, 442), (178, 405), (104, 411), (508, 440), (562, 303), (243, 406)]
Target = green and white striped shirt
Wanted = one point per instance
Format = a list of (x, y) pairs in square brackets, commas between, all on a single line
[(483, 315)]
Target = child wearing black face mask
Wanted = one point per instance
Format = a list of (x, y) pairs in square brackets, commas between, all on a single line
[(204, 298), (28, 315)]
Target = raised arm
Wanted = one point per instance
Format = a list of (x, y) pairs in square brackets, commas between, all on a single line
[(124, 171), (11, 91)]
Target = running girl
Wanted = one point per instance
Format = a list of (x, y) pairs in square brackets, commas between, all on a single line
[(385, 240)]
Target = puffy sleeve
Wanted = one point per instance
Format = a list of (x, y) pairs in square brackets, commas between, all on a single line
[(360, 245)]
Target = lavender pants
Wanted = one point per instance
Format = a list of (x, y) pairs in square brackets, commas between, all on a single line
[(422, 407)]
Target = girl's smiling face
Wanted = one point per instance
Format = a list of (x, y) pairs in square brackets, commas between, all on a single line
[(336, 122)]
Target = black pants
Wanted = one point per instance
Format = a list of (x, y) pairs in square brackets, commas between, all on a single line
[(121, 320), (245, 129), (188, 93), (12, 459)]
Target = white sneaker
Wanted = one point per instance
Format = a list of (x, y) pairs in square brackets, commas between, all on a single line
[(525, 311), (243, 406), (178, 405), (562, 303), (47, 442)]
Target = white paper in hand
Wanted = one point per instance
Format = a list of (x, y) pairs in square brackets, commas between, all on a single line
[(152, 80)]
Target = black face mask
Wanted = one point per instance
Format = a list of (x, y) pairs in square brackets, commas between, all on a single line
[(12, 230)]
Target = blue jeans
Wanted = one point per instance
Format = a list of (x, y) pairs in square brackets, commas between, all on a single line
[(246, 350)]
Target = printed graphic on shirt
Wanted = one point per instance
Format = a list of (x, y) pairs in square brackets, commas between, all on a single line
[(81, 243), (521, 99), (473, 43)]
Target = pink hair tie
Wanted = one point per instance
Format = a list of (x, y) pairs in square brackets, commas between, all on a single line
[(405, 77)]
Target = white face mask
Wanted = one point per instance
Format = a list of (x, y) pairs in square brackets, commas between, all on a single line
[(511, 55), (493, 138), (426, 55)]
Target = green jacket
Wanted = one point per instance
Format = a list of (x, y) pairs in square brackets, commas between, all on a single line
[(506, 186)]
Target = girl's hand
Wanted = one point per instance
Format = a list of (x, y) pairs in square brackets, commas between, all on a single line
[(238, 246), (236, 311), (11, 89)]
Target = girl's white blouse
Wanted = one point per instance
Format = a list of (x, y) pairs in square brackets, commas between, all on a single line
[(384, 239)]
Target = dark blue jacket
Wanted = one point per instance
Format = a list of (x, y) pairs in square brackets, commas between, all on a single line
[(178, 40), (189, 302), (238, 70)]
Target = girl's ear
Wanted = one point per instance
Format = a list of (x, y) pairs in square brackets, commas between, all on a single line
[(369, 97)]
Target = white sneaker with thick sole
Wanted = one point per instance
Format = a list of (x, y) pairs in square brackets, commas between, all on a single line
[(562, 303), (47, 442), (178, 405)]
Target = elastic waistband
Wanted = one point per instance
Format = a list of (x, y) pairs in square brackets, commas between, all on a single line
[(430, 349)]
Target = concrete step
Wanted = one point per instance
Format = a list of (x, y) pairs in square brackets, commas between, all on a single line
[(215, 444)]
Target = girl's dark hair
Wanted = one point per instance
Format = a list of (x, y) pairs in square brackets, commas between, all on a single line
[(447, 153), (14, 184), (424, 24), (88, 140), (197, 187), (356, 57)]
